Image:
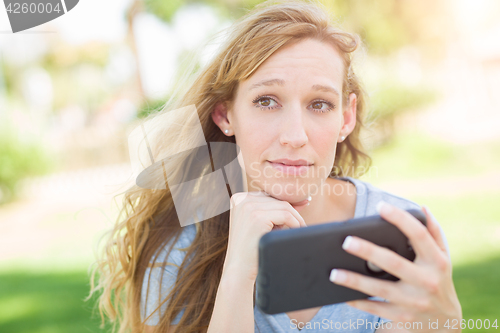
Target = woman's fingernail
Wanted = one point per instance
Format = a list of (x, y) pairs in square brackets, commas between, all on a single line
[(337, 276), (350, 243), (383, 207)]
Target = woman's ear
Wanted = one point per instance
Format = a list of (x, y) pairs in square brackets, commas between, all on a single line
[(349, 116), (220, 116)]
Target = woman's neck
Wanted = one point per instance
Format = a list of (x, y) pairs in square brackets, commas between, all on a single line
[(337, 202)]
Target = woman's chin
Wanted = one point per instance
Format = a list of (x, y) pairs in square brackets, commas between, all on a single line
[(292, 199), (290, 191)]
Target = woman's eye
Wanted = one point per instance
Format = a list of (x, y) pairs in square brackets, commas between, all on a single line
[(317, 106), (265, 103)]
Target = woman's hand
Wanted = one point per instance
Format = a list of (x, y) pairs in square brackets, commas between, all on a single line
[(252, 215), (425, 292)]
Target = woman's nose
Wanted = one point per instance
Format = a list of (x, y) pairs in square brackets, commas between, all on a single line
[(293, 132)]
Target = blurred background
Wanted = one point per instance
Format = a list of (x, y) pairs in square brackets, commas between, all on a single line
[(72, 89)]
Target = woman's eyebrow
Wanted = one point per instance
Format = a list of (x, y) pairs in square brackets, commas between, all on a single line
[(270, 82), (325, 88), (281, 83)]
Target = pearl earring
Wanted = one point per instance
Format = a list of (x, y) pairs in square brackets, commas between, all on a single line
[(226, 131), (342, 138)]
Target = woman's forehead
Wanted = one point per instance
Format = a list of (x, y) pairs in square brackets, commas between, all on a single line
[(307, 62)]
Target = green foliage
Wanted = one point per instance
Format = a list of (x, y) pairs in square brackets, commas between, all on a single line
[(18, 160), (149, 107), (412, 155), (392, 98), (164, 10), (385, 26), (470, 221)]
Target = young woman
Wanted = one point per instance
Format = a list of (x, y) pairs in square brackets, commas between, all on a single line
[(283, 89)]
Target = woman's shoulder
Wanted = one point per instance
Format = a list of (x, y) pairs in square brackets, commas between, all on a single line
[(370, 195), (179, 248), (160, 278)]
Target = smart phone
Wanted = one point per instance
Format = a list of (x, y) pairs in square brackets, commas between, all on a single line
[(295, 264)]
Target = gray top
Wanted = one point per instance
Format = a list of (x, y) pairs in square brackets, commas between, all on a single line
[(330, 318)]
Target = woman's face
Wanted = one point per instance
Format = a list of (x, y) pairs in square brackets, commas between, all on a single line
[(291, 108)]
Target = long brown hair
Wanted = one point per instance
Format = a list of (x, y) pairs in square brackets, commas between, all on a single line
[(149, 220)]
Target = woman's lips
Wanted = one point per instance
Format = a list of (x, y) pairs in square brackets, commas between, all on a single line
[(290, 169)]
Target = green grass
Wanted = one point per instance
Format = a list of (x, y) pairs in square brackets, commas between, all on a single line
[(471, 224), (478, 289), (46, 303), (53, 303)]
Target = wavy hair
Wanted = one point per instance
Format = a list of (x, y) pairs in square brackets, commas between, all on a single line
[(148, 220)]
